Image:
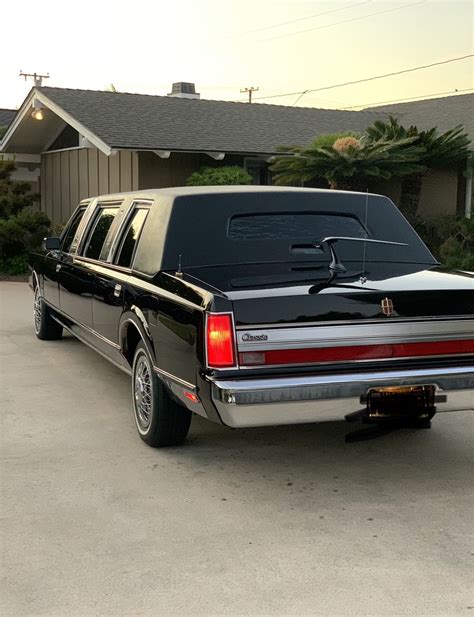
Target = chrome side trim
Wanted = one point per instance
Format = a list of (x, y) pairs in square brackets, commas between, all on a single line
[(291, 400), (164, 375), (86, 342), (345, 322), (84, 327), (356, 334), (169, 376)]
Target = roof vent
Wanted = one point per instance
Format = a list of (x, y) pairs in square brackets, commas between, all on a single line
[(184, 90)]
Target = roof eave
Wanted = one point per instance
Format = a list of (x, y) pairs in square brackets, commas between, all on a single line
[(197, 150), (16, 120), (25, 109)]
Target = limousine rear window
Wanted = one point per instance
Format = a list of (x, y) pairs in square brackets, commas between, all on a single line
[(130, 238), (299, 226), (100, 229)]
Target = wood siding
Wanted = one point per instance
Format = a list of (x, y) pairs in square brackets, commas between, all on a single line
[(439, 192), (71, 175), (155, 172)]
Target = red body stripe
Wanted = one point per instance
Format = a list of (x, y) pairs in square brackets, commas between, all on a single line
[(364, 352)]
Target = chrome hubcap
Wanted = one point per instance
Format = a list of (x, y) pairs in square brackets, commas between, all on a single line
[(143, 392), (37, 310)]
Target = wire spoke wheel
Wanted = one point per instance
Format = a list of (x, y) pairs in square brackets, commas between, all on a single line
[(143, 393), (37, 310)]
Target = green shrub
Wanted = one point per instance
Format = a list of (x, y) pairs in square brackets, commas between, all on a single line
[(450, 239), (15, 266), (22, 228), (219, 176), (22, 233)]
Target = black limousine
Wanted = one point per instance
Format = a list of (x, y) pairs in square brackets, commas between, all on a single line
[(255, 306)]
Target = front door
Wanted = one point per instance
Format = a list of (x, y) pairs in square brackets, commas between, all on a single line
[(53, 261), (76, 286), (77, 272), (51, 266)]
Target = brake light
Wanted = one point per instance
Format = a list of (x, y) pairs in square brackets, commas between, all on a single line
[(356, 353), (220, 340)]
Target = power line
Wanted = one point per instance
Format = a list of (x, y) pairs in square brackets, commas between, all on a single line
[(373, 78), (293, 21), (300, 97), (346, 21), (411, 98)]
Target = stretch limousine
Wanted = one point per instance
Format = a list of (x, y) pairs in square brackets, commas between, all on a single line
[(255, 306)]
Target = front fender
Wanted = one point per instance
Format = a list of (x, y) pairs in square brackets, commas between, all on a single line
[(34, 280)]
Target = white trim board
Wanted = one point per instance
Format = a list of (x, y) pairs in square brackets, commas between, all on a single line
[(20, 158), (61, 113)]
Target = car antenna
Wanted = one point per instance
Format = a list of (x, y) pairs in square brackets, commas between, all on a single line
[(179, 272), (363, 278)]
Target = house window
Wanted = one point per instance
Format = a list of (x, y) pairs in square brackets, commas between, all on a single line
[(258, 169)]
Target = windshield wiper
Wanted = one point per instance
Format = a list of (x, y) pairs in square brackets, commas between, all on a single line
[(336, 265)]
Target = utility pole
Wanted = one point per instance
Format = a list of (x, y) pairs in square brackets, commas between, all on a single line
[(249, 90), (37, 78)]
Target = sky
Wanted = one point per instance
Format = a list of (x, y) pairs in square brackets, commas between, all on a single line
[(225, 45)]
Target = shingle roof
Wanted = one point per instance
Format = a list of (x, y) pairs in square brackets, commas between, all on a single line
[(444, 113), (140, 121), (145, 122), (6, 116)]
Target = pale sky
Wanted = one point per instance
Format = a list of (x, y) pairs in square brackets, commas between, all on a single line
[(224, 45)]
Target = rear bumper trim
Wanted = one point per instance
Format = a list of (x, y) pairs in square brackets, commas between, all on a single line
[(291, 400)]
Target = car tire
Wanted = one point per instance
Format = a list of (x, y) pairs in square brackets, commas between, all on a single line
[(160, 420), (46, 328)]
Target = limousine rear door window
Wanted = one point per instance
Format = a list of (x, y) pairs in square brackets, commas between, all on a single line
[(99, 232), (130, 237), (71, 230)]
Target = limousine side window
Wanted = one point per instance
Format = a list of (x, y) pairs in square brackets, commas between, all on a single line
[(129, 241), (70, 232), (100, 229)]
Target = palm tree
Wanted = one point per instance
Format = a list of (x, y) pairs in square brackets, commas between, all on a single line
[(347, 161), (440, 150)]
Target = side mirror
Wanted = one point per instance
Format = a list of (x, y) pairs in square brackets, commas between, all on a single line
[(52, 244)]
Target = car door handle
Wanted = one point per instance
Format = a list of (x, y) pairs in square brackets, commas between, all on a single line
[(58, 267), (117, 290)]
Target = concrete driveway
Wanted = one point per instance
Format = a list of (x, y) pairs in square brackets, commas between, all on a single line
[(276, 521)]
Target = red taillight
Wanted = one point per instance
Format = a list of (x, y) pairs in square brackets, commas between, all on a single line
[(357, 352), (220, 341)]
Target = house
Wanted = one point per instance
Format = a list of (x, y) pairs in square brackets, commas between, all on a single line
[(94, 142), (439, 188)]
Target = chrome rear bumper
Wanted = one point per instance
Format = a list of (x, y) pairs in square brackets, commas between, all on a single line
[(293, 400)]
